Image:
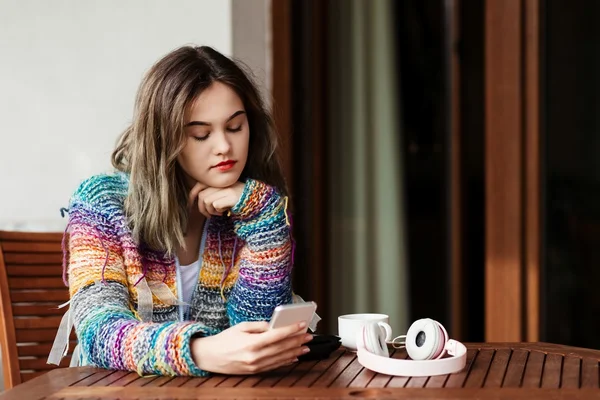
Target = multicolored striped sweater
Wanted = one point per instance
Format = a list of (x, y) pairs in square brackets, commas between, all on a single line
[(245, 273)]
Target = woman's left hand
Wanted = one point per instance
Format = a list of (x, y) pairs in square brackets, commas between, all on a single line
[(215, 201)]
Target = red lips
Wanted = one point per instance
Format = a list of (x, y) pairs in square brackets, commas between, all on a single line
[(225, 165)]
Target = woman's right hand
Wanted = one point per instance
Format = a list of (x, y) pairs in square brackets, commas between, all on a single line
[(249, 348)]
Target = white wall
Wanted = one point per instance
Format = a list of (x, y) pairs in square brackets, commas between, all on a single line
[(69, 70), (251, 40)]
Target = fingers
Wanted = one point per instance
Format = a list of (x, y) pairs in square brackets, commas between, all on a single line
[(223, 204), (214, 201), (210, 199), (257, 348), (193, 195), (274, 346), (278, 334), (202, 203), (207, 198), (290, 346), (282, 355)]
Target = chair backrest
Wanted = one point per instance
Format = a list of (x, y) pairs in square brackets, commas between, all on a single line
[(31, 288)]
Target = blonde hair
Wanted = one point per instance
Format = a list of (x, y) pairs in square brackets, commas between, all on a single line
[(156, 204)]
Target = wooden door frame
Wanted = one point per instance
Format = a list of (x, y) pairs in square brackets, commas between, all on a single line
[(303, 171), (512, 176), (282, 82), (456, 214), (532, 170)]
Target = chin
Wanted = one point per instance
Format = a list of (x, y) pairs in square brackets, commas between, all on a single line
[(223, 181)]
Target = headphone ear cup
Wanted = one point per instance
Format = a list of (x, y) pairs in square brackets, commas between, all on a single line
[(443, 339), (424, 339), (375, 340)]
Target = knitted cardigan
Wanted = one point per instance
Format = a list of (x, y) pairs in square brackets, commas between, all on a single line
[(124, 304)]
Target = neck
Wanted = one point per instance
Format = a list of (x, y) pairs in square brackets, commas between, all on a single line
[(195, 219)]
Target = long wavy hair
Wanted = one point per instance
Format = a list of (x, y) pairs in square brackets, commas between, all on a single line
[(156, 204)]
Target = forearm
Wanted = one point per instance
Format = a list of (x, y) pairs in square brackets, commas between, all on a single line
[(265, 265), (111, 337)]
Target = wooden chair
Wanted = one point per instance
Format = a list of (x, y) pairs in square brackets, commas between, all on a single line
[(31, 288)]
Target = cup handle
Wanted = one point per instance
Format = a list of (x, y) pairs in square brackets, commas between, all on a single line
[(387, 329)]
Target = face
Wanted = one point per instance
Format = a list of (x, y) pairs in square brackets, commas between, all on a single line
[(216, 147)]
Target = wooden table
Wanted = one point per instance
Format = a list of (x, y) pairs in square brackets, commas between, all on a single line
[(494, 371)]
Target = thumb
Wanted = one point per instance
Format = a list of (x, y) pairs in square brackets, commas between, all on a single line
[(254, 326)]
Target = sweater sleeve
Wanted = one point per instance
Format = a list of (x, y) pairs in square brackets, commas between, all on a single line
[(265, 265), (110, 334)]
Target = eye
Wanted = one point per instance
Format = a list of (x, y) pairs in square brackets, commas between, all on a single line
[(201, 138), (236, 129)]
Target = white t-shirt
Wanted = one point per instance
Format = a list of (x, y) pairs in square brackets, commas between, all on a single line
[(189, 279), (187, 276)]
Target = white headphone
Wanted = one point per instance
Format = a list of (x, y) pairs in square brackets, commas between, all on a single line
[(426, 343)]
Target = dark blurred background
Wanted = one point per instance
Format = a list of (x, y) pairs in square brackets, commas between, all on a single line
[(445, 62)]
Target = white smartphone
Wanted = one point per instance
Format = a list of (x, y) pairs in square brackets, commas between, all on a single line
[(288, 314)]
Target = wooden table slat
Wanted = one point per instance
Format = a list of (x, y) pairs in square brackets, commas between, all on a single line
[(273, 378), (480, 369), (589, 373), (417, 382), (458, 380), (162, 381), (333, 372), (250, 381), (381, 380), (321, 367), (552, 371), (213, 381), (178, 381), (516, 367), (90, 380), (262, 380), (125, 379), (498, 368), (438, 381), (232, 381), (571, 374), (533, 370), (288, 381), (142, 381), (110, 379), (194, 382), (398, 381), (362, 379), (351, 372)]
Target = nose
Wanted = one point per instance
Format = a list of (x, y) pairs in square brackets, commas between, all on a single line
[(221, 143)]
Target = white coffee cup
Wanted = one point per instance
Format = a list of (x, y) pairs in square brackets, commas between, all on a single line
[(350, 324)]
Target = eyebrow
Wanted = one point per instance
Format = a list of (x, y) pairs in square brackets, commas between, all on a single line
[(202, 123)]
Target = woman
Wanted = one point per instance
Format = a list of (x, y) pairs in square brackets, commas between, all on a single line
[(177, 259)]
